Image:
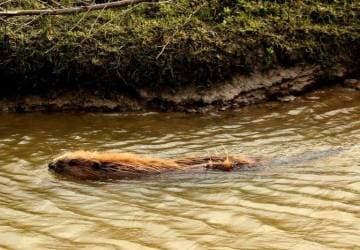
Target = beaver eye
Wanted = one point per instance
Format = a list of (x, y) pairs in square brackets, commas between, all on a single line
[(96, 166), (73, 163)]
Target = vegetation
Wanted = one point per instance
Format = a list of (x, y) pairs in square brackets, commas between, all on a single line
[(172, 44)]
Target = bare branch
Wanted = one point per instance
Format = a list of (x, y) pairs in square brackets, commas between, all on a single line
[(73, 10)]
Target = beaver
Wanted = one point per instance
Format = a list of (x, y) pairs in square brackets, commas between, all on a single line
[(84, 165)]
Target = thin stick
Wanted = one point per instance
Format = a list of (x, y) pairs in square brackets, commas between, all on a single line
[(72, 10), (176, 31)]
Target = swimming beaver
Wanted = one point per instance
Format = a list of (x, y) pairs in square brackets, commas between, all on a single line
[(85, 165)]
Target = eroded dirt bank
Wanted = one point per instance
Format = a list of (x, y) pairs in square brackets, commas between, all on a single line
[(281, 84)]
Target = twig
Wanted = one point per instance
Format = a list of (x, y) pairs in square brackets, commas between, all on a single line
[(177, 31), (26, 24), (92, 25), (78, 22), (8, 1), (71, 10)]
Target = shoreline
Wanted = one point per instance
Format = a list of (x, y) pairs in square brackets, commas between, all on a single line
[(187, 56), (281, 84)]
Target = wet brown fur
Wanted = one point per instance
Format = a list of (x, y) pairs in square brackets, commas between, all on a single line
[(87, 165)]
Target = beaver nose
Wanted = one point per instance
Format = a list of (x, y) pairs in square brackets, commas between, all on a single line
[(51, 165), (55, 167)]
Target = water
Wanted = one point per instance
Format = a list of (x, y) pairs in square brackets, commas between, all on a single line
[(312, 202)]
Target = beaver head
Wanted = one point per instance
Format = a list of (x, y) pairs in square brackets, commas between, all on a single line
[(78, 168)]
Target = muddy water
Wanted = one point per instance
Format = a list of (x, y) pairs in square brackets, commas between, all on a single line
[(306, 200)]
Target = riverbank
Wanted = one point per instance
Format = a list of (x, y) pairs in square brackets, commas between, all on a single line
[(184, 56), (276, 85)]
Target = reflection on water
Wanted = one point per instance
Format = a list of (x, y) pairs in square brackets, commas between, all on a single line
[(309, 204)]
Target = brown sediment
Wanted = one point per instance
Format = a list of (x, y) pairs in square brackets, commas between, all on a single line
[(85, 165), (352, 83)]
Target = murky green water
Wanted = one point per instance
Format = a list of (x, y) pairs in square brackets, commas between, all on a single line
[(310, 204)]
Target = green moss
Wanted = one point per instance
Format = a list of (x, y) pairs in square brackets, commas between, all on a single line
[(172, 45)]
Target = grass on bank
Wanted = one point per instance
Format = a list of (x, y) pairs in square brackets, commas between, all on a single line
[(171, 45)]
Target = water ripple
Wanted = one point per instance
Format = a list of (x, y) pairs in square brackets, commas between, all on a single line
[(305, 199)]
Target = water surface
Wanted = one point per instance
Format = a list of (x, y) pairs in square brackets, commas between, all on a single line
[(308, 203)]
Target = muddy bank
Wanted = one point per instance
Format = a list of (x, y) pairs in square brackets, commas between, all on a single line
[(179, 55), (282, 84)]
